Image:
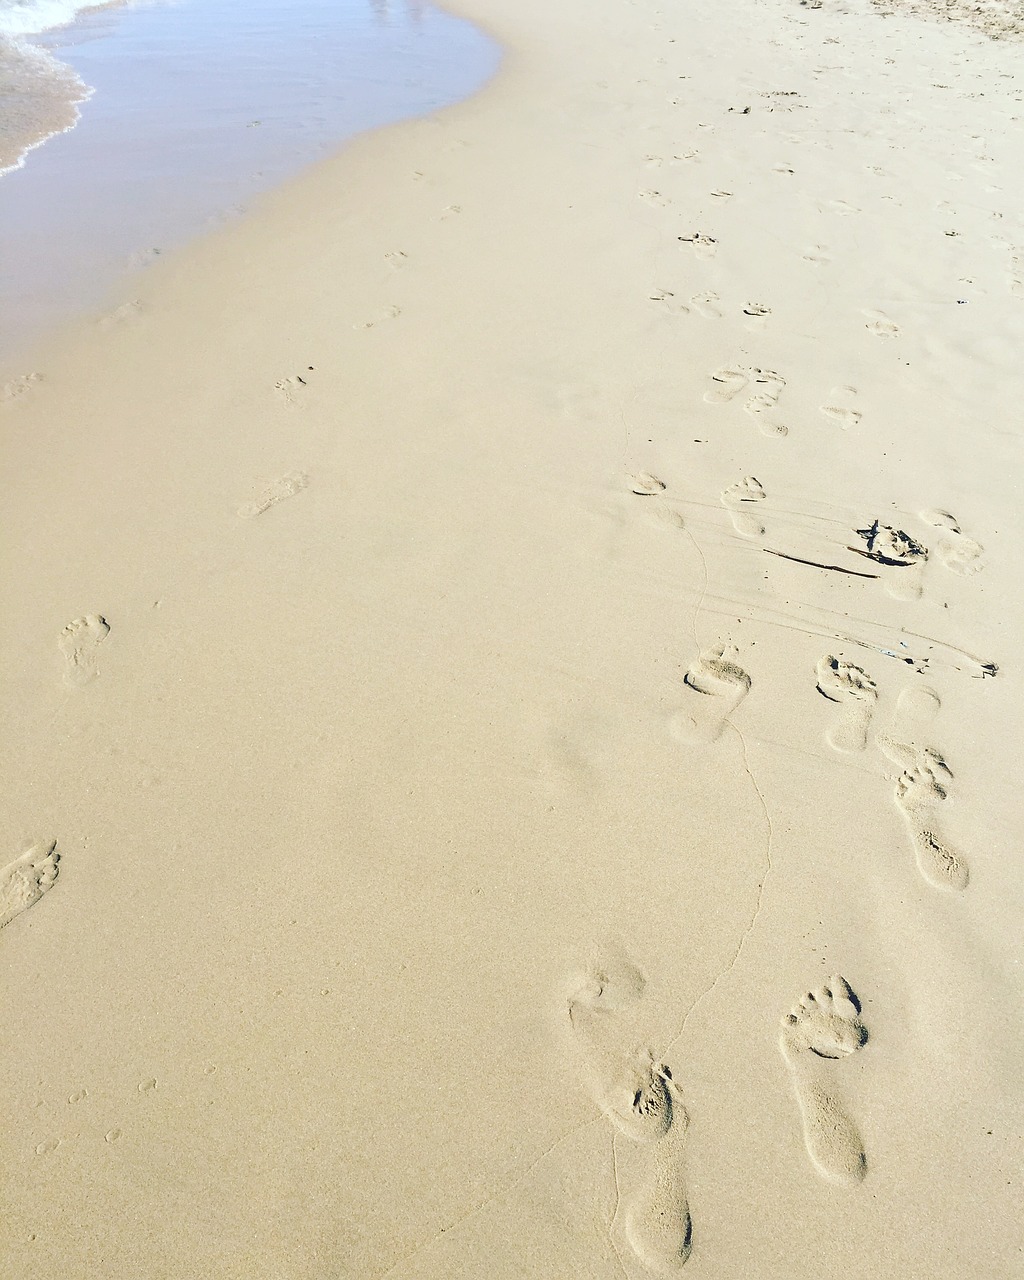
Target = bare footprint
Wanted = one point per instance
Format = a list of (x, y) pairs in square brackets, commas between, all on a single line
[(654, 198), (24, 881), (920, 789), (956, 552), (705, 304), (656, 1221), (714, 685), (745, 493), (825, 1027), (768, 386), (704, 246), (290, 389), (854, 690), (726, 384), (898, 551), (78, 643), (287, 487), (20, 386), (631, 1088), (396, 259), (916, 710), (839, 410), (880, 325), (645, 485)]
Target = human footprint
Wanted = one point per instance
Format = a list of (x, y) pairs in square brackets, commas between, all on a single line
[(656, 1221), (78, 643), (854, 690), (825, 1026), (24, 881), (768, 386), (745, 493), (898, 550), (920, 789), (726, 384), (956, 552), (715, 684)]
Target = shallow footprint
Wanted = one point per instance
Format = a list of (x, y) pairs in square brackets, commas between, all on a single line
[(823, 1027), (726, 384), (842, 414), (920, 789), (746, 492), (24, 881), (287, 487), (656, 1221), (956, 552), (78, 643), (880, 325), (854, 690), (768, 387), (631, 1088), (715, 685)]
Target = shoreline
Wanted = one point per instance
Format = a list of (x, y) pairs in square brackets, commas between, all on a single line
[(438, 620)]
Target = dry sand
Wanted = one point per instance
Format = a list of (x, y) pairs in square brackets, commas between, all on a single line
[(507, 814)]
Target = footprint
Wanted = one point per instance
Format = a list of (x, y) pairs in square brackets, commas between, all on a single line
[(287, 487), (818, 254), (704, 246), (646, 485), (396, 259), (656, 1221), (768, 387), (654, 198), (916, 710), (825, 1026), (78, 643), (854, 690), (956, 552), (667, 300), (290, 389), (839, 412), (714, 685), (727, 383), (20, 386), (842, 207), (745, 492), (389, 313), (897, 550), (24, 881), (631, 1088), (758, 313), (705, 305), (880, 325), (920, 789)]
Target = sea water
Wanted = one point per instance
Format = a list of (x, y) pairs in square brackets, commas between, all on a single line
[(137, 126)]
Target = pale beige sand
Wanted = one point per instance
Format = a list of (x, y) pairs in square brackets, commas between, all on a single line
[(451, 829)]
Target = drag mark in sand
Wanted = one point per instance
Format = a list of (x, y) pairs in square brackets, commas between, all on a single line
[(856, 693), (287, 487), (825, 1026), (78, 643), (24, 881)]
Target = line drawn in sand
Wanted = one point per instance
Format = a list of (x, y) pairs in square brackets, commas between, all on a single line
[(825, 1027)]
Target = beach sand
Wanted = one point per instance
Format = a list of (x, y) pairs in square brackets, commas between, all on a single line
[(512, 652)]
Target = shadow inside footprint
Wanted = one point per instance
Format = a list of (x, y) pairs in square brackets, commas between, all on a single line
[(856, 693), (715, 685), (823, 1027)]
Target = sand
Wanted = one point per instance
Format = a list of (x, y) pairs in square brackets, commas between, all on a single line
[(512, 686)]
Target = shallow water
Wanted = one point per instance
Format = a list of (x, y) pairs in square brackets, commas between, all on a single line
[(199, 105)]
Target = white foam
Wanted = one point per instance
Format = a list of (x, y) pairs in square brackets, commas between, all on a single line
[(30, 17)]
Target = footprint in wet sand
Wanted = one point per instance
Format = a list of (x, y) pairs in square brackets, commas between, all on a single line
[(704, 246), (856, 693), (899, 552), (956, 552), (287, 487), (838, 408), (920, 789), (880, 325), (78, 643), (714, 685), (746, 493), (24, 881), (825, 1027)]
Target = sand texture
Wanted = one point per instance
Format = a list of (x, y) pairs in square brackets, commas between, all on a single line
[(514, 651)]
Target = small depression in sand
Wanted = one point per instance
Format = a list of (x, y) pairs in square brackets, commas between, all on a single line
[(185, 111)]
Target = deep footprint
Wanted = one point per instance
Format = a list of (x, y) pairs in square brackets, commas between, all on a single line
[(714, 685), (24, 881), (920, 789), (856, 693), (823, 1027)]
